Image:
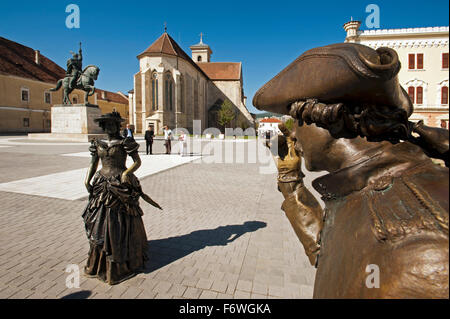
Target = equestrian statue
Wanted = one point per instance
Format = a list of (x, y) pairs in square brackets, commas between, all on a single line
[(76, 78)]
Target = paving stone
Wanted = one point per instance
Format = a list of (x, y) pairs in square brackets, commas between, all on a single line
[(219, 286), (207, 294), (192, 293), (131, 293), (204, 283), (241, 294), (162, 287), (244, 285)]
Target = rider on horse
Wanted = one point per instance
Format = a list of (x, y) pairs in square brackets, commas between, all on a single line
[(74, 68)]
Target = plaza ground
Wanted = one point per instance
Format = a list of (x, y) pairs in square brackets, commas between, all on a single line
[(222, 233)]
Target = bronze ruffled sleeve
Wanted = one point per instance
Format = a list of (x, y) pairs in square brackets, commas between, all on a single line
[(130, 145)]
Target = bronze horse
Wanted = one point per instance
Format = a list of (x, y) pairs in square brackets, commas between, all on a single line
[(85, 83), (386, 201)]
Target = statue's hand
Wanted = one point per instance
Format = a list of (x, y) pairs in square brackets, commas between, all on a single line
[(124, 179), (89, 188)]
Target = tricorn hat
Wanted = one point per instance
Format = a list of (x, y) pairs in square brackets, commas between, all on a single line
[(113, 116), (338, 73)]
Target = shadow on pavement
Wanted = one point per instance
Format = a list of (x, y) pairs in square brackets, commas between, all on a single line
[(163, 252), (84, 294)]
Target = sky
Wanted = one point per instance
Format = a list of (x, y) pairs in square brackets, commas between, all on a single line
[(265, 36)]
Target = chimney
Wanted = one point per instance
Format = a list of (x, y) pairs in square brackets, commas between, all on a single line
[(36, 56)]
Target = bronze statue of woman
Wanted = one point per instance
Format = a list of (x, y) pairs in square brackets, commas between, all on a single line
[(113, 222)]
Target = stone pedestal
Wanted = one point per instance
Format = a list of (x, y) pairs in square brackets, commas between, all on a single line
[(73, 123)]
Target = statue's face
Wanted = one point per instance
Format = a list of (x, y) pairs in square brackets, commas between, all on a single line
[(111, 127), (313, 143)]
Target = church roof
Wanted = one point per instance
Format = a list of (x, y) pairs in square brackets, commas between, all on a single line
[(222, 71), (166, 45), (19, 60)]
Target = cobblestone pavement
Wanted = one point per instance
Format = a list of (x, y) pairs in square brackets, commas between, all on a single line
[(221, 235)]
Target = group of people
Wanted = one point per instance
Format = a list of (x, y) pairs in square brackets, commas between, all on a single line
[(168, 137)]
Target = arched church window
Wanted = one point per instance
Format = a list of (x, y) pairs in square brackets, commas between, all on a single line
[(169, 92), (196, 106), (154, 91), (199, 58), (182, 94)]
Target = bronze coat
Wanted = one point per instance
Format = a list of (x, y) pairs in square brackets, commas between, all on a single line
[(390, 211)]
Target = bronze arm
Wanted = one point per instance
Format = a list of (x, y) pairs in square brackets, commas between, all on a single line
[(300, 206), (91, 171), (434, 141), (133, 168)]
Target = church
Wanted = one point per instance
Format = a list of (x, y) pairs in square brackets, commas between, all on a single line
[(174, 89)]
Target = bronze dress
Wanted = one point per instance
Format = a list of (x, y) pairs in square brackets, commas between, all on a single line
[(114, 227)]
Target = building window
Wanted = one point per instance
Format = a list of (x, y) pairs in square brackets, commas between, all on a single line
[(444, 124), (25, 95), (196, 106), (411, 61), (47, 98), (444, 95), (411, 93), (182, 94), (75, 99), (419, 95), (171, 95), (199, 58), (26, 122), (420, 61), (169, 92), (154, 91), (415, 61), (445, 60)]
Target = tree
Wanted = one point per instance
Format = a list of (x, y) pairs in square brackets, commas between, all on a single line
[(289, 124), (226, 113)]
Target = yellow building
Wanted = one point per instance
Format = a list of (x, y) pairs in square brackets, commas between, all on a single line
[(26, 77), (423, 53)]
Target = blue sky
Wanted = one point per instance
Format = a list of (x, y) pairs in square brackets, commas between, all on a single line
[(265, 36)]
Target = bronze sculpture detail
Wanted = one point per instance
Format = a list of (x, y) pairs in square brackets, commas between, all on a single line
[(386, 201), (113, 223)]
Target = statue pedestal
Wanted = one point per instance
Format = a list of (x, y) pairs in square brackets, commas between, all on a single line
[(73, 123)]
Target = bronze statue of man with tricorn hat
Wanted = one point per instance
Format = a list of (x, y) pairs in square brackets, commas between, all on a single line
[(386, 201)]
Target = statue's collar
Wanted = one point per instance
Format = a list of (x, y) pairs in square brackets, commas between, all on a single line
[(377, 171), (108, 144)]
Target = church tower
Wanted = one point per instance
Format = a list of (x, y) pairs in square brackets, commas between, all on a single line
[(201, 52)]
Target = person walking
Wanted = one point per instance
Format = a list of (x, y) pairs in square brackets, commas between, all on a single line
[(168, 139), (149, 134)]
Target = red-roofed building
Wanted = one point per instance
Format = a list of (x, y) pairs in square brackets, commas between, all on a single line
[(26, 76), (269, 125), (174, 89)]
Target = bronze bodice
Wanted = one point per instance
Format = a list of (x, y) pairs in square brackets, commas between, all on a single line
[(113, 157)]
